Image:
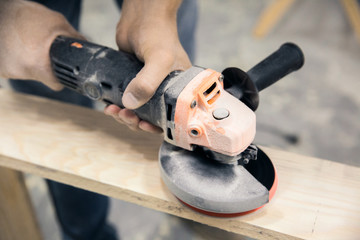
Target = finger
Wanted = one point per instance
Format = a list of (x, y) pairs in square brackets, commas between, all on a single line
[(144, 85), (113, 111), (148, 127), (129, 118)]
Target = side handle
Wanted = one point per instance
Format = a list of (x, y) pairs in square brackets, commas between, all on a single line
[(286, 59)]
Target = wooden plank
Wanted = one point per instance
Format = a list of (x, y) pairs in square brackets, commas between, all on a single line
[(270, 17), (17, 218), (316, 199), (353, 12)]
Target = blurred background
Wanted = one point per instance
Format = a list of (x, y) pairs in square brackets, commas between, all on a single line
[(315, 111)]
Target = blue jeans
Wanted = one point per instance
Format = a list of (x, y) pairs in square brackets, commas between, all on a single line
[(82, 214)]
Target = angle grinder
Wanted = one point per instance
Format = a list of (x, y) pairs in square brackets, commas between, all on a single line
[(207, 159)]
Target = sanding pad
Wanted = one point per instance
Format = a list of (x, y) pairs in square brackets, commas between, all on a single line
[(215, 188)]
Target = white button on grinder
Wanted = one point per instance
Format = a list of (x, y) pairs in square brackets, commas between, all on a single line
[(220, 113)]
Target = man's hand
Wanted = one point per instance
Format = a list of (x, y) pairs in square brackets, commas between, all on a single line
[(27, 30), (149, 30)]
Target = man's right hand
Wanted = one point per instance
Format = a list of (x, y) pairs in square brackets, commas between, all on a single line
[(27, 30), (148, 29)]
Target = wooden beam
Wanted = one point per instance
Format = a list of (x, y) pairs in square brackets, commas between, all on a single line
[(270, 17), (17, 218), (353, 12), (316, 199)]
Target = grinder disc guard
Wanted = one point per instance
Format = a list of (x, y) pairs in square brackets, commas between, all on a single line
[(215, 188)]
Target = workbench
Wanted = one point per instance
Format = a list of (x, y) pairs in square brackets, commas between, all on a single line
[(316, 199)]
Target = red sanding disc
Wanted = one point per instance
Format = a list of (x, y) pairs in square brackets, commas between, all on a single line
[(215, 188)]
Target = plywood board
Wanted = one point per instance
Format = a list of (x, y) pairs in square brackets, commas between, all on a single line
[(316, 199)]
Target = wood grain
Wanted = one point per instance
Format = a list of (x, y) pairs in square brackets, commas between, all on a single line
[(316, 199), (17, 218)]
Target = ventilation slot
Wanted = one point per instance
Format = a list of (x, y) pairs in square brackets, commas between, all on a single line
[(169, 135), (63, 66), (108, 102), (66, 80), (106, 85), (65, 75), (68, 83), (210, 89), (213, 99), (168, 111)]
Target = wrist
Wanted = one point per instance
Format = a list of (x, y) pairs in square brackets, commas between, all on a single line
[(153, 9)]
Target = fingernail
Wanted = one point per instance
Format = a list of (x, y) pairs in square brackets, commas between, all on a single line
[(130, 101)]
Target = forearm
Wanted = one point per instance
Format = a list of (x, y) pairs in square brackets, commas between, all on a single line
[(145, 14), (8, 10)]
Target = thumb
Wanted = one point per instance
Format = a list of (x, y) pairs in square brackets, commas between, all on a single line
[(146, 82)]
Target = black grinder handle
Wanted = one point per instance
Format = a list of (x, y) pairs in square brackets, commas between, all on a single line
[(286, 59), (100, 73), (93, 70)]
